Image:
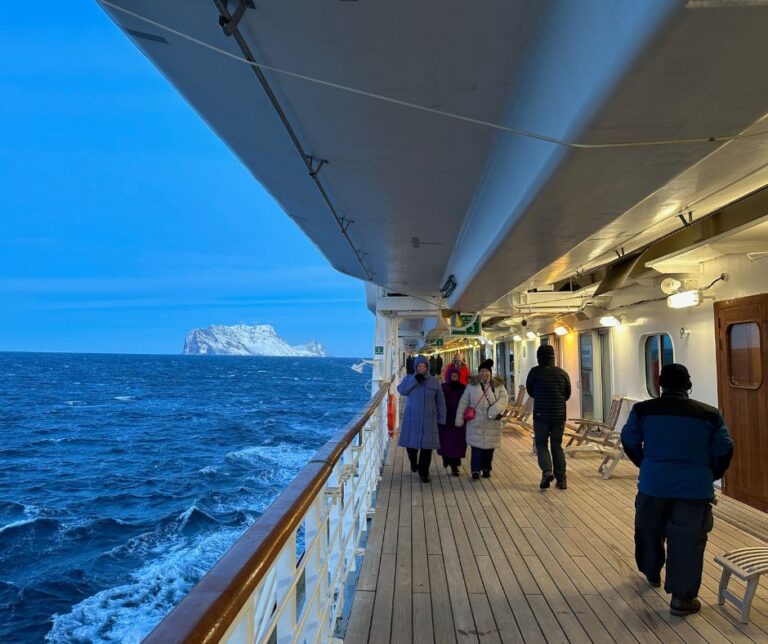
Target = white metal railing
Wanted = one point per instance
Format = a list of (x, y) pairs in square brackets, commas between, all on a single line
[(300, 596), (333, 527)]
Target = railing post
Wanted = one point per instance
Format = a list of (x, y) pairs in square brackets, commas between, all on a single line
[(315, 575), (286, 569)]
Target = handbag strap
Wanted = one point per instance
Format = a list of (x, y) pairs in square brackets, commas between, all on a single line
[(484, 395)]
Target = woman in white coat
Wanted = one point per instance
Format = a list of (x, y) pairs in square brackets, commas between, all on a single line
[(488, 398)]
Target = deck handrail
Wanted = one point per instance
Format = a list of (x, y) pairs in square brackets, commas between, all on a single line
[(207, 612)]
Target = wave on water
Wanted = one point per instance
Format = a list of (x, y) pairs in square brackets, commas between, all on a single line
[(125, 398), (283, 456), (128, 612), (12, 530)]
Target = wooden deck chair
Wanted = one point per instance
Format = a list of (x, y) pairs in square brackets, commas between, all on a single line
[(613, 455), (521, 419), (521, 416), (518, 404), (590, 435), (613, 451)]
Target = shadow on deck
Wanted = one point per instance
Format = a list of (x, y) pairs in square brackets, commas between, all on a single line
[(498, 560)]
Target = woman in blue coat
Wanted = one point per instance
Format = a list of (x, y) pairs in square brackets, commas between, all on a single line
[(424, 409)]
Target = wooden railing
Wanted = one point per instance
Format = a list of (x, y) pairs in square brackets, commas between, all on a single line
[(260, 590)]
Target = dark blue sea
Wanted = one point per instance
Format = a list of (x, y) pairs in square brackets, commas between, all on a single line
[(124, 478)]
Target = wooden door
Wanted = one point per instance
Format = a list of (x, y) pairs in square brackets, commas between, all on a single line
[(742, 385)]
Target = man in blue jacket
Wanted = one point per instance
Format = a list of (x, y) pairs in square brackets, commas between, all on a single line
[(681, 446)]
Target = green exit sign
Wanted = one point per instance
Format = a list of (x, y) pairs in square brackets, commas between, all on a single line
[(471, 330), (378, 350)]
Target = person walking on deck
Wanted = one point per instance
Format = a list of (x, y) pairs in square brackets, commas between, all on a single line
[(486, 398), (453, 439), (681, 447), (550, 388), (424, 409), (459, 367)]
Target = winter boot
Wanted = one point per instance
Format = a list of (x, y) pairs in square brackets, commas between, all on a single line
[(682, 606)]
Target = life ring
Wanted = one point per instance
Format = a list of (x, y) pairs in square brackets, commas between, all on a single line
[(391, 415)]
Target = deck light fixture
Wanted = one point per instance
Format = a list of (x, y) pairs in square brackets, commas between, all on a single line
[(684, 299), (561, 330), (517, 338), (610, 320), (531, 335)]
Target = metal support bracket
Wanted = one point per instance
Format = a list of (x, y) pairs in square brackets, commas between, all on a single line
[(686, 222), (315, 167), (344, 223), (229, 25)]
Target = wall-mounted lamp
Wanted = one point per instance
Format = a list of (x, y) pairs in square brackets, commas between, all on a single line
[(561, 330), (670, 285), (610, 320), (517, 338), (684, 299), (531, 335)]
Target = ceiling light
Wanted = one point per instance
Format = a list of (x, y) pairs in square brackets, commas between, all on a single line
[(683, 299), (530, 335), (517, 338), (561, 330), (610, 320)]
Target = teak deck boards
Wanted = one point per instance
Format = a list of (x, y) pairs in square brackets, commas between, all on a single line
[(498, 560)]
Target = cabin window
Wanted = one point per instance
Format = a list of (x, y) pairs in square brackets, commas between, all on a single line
[(746, 369), (658, 352)]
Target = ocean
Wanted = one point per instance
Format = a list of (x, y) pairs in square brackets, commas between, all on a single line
[(124, 478)]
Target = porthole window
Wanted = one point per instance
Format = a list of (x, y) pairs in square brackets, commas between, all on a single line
[(744, 363), (658, 352)]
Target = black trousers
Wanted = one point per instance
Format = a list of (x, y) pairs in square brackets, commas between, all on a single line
[(449, 461), (481, 459), (544, 435), (684, 524), (420, 458)]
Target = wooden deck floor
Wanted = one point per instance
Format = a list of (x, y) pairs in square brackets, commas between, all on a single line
[(498, 560)]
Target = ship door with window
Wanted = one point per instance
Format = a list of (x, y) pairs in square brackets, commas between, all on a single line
[(742, 346)]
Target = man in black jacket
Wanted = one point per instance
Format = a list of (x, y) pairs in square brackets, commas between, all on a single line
[(550, 388)]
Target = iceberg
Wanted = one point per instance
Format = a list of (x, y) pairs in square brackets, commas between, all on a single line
[(246, 340)]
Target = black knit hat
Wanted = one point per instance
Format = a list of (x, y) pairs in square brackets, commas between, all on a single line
[(486, 364), (675, 376)]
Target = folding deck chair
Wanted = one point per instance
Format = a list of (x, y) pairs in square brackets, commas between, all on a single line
[(588, 434), (593, 436)]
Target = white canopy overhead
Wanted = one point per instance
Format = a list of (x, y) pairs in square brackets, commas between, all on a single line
[(408, 193)]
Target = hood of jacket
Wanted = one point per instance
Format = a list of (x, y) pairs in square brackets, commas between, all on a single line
[(496, 381), (420, 360), (545, 355)]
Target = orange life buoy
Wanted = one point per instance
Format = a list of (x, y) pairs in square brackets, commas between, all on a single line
[(391, 415)]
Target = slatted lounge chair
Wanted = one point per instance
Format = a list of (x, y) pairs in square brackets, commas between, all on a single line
[(518, 404), (588, 434), (748, 564)]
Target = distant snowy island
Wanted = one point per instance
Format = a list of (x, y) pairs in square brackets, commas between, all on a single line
[(245, 340)]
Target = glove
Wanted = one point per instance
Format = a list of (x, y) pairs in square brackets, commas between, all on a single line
[(420, 377)]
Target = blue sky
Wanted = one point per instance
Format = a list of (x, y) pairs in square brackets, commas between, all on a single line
[(115, 232)]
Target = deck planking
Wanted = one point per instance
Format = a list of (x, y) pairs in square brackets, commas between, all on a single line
[(498, 560)]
